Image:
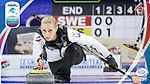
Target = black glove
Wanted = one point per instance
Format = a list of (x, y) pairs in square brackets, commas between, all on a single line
[(44, 54), (112, 62), (39, 59)]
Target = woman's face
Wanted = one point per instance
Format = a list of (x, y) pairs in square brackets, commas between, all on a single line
[(49, 31)]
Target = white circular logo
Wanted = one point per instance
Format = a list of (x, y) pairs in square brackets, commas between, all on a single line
[(141, 72)]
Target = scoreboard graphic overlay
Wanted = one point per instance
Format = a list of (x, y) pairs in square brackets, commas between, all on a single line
[(111, 22)]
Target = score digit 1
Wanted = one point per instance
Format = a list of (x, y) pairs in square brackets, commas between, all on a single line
[(102, 25)]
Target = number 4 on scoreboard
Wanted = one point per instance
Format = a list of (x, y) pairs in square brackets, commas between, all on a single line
[(130, 10)]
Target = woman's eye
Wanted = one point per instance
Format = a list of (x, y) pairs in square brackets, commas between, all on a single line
[(44, 31), (49, 30)]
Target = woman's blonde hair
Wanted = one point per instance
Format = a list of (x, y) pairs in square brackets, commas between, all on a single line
[(49, 19)]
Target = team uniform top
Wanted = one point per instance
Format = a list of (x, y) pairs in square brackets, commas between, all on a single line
[(53, 54)]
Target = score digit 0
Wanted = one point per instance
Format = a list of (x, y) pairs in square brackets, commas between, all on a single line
[(99, 30), (108, 21)]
